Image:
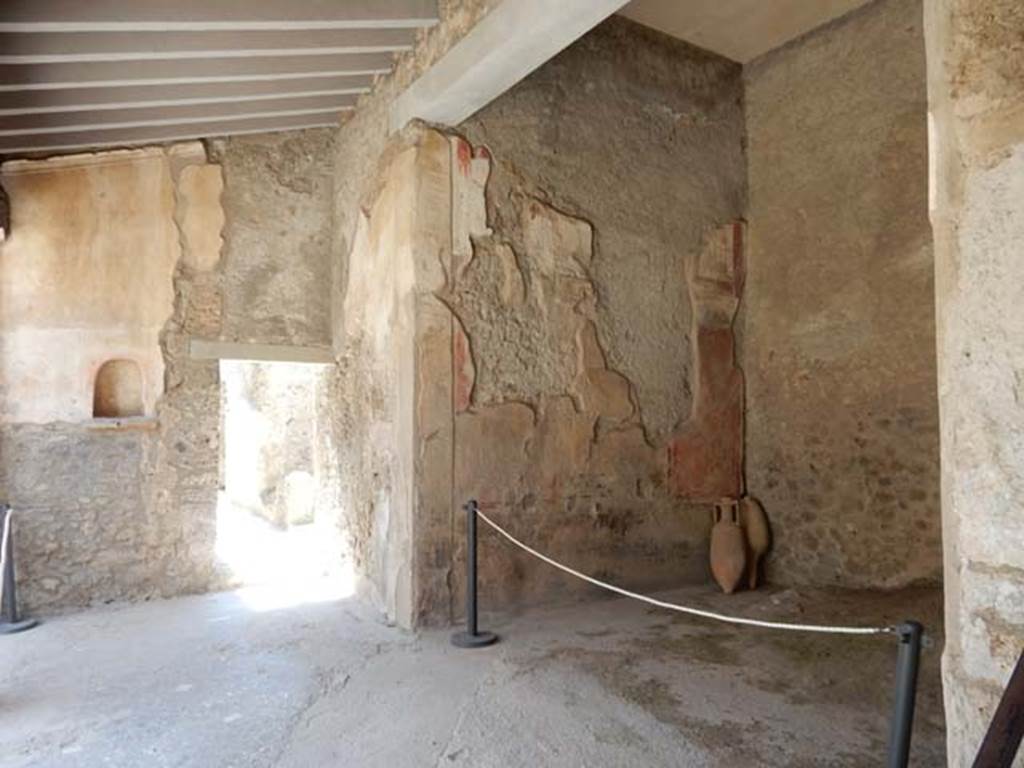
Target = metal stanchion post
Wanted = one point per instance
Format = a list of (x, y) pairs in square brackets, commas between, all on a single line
[(472, 637), (902, 722), (10, 621)]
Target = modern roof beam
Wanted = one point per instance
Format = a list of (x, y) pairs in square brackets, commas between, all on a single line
[(506, 45), (55, 122), (56, 47), (99, 99), (120, 137), (203, 15), (84, 73), (104, 74)]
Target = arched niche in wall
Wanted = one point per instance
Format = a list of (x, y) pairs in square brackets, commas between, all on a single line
[(117, 392)]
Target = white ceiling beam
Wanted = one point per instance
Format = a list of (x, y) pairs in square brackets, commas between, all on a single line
[(318, 115), (344, 97), (504, 47), (88, 73), (204, 15), (96, 99), (57, 122), (51, 48), (61, 142), (16, 77)]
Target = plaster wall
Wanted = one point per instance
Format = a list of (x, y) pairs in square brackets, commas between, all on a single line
[(599, 408), (569, 329), (362, 396), (838, 320), (364, 136), (641, 136), (133, 243), (120, 249), (277, 236), (399, 418), (976, 111), (86, 277)]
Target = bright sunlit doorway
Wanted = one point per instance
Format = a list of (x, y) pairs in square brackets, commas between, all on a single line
[(278, 532)]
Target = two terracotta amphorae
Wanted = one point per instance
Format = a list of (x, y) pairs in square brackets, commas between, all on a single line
[(740, 538)]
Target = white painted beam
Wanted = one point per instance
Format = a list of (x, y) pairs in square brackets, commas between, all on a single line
[(312, 114), (122, 137), (504, 47), (57, 122), (56, 47), (20, 77), (96, 99), (272, 353), (206, 15)]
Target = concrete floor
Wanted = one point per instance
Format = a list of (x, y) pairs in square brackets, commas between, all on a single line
[(214, 682)]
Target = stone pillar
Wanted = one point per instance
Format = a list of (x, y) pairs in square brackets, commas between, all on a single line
[(976, 122)]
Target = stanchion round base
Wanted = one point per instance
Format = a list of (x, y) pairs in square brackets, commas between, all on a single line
[(479, 640), (9, 628)]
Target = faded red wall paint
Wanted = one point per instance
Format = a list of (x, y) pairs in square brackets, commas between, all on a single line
[(463, 156), (464, 370), (705, 457)]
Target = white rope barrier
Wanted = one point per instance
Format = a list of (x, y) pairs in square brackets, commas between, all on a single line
[(683, 608)]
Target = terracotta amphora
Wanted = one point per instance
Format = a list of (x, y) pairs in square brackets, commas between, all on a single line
[(728, 546), (759, 536)]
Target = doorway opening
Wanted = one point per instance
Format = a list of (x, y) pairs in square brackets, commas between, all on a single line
[(277, 521)]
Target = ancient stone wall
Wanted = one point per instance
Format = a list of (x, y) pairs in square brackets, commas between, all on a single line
[(126, 508), (359, 396), (277, 237), (114, 508), (365, 136), (640, 135), (396, 414), (838, 319), (976, 105), (599, 408), (94, 234), (571, 327)]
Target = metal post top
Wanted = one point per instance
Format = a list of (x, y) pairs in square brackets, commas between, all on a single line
[(910, 631)]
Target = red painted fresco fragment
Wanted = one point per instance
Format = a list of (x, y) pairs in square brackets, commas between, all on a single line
[(465, 371), (464, 156)]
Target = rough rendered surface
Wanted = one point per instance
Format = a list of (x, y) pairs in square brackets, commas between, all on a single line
[(119, 255), (594, 411), (85, 277), (109, 511), (234, 680), (568, 369), (838, 318), (277, 196), (976, 96), (641, 136), (394, 412), (548, 435), (361, 396)]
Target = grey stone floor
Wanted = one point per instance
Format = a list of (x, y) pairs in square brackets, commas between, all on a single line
[(209, 681)]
